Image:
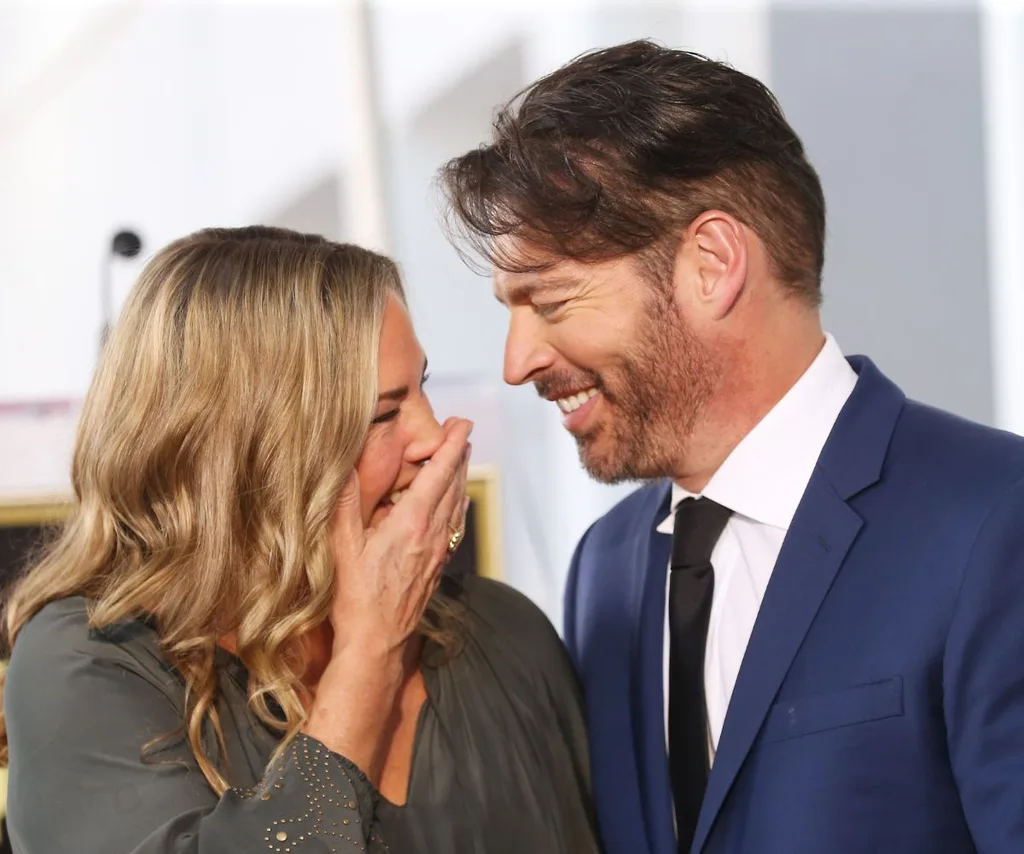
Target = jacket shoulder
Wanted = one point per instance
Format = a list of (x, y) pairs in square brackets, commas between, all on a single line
[(644, 506)]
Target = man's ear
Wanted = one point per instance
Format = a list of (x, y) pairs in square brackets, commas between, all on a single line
[(711, 265)]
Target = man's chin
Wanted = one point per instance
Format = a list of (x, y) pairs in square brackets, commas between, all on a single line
[(607, 476), (609, 463), (603, 465)]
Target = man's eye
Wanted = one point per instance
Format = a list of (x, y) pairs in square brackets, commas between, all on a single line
[(385, 417), (546, 308)]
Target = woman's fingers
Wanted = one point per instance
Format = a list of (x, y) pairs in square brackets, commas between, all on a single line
[(347, 527), (433, 481), (449, 508), (405, 552)]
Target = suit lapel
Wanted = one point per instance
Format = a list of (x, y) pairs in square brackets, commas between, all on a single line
[(810, 558), (612, 625), (648, 688), (822, 532)]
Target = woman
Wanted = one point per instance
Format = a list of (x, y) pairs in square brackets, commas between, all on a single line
[(242, 641)]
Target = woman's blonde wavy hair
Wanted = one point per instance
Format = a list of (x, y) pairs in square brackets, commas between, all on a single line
[(229, 407)]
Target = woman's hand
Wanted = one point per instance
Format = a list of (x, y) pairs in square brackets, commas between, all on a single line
[(385, 576), (384, 579)]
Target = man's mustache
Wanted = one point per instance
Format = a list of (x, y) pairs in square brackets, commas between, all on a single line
[(554, 386)]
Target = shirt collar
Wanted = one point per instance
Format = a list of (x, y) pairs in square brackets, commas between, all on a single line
[(765, 476)]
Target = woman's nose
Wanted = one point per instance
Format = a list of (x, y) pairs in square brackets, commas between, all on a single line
[(426, 436)]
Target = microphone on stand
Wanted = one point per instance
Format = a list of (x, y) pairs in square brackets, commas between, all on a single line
[(124, 244)]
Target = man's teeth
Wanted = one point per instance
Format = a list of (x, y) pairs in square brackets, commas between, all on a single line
[(395, 497), (571, 404)]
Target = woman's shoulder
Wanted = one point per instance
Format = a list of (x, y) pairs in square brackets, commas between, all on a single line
[(501, 605), (56, 629), (502, 620), (60, 635)]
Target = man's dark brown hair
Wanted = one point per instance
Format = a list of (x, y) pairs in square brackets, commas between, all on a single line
[(618, 151)]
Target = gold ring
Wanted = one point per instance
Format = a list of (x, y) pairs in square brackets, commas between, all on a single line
[(456, 538)]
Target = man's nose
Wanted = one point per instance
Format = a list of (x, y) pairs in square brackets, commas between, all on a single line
[(527, 352)]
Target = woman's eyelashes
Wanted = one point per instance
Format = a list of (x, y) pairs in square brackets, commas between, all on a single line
[(392, 414)]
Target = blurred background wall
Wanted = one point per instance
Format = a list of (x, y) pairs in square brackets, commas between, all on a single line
[(333, 117)]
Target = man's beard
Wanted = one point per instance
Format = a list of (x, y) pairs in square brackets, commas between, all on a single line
[(653, 397)]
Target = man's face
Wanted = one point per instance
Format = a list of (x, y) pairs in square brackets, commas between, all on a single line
[(610, 346)]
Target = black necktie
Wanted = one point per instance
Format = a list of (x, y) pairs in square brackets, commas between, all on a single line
[(698, 526)]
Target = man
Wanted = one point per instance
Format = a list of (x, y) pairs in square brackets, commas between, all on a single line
[(805, 636)]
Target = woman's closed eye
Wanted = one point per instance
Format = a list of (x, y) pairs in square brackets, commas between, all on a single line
[(392, 414)]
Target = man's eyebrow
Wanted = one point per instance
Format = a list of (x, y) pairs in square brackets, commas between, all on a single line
[(522, 292)]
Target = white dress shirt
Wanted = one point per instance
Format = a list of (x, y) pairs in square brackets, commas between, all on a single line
[(762, 482)]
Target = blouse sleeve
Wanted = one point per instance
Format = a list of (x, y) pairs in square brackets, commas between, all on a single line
[(76, 726)]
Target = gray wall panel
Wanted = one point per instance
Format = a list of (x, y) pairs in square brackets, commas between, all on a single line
[(889, 104)]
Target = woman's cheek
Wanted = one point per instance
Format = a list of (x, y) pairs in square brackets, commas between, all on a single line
[(369, 478), (378, 468)]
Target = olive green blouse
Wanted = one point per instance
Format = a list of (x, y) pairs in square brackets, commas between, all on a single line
[(499, 761)]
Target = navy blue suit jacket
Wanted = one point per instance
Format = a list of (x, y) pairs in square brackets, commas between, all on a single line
[(880, 703)]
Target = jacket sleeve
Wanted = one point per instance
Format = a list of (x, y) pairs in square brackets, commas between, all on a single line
[(569, 602), (983, 681), (77, 723)]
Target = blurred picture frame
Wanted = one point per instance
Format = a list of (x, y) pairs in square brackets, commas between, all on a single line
[(25, 524), (483, 523)]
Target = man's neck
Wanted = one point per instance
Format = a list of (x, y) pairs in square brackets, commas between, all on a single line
[(756, 376)]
